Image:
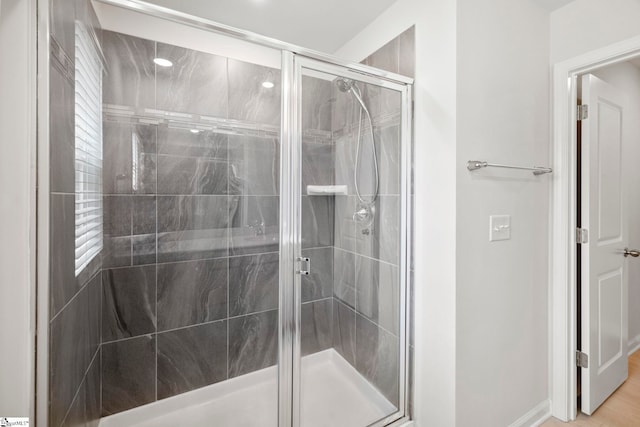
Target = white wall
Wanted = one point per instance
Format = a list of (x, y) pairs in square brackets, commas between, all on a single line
[(627, 78), (435, 177), (501, 306), (17, 137), (586, 25)]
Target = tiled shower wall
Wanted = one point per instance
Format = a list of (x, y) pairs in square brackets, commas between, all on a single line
[(190, 279), (366, 267), (74, 329)]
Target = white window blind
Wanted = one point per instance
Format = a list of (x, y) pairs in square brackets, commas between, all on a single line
[(88, 149)]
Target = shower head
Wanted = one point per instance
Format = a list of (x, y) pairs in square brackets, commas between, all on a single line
[(344, 85)]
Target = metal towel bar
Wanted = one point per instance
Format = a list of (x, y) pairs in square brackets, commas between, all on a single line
[(478, 164)]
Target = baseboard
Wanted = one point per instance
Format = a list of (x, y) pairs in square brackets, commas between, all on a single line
[(634, 345), (534, 417)]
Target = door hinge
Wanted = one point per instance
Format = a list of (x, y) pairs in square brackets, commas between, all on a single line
[(583, 112), (582, 359), (582, 236)]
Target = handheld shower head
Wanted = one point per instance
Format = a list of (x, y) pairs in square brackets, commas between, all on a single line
[(344, 85)]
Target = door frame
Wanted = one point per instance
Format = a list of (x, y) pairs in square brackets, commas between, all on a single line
[(289, 331), (562, 244)]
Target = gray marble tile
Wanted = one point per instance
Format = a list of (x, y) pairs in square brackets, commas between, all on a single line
[(319, 283), (388, 143), (93, 393), (407, 56), (129, 302), (372, 98), (383, 239), (192, 175), (344, 331), (62, 19), (317, 164), (254, 222), (191, 358), (317, 221), (62, 248), (183, 142), (191, 292), (377, 355), (178, 213), (93, 322), (116, 251), (253, 283), (366, 165), (390, 104), (316, 103), (128, 374), (77, 415), (386, 58), (345, 109), (316, 328), (143, 249), (248, 99), (192, 244), (344, 161), (143, 215), (130, 75), (61, 133), (129, 165), (254, 165), (253, 342), (378, 293), (192, 227), (71, 349), (85, 410), (117, 215), (344, 277), (345, 226), (196, 83)]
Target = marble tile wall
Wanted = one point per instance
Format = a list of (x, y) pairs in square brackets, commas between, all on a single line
[(366, 255), (190, 275), (74, 328)]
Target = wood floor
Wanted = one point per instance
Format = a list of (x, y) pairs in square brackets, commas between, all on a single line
[(622, 409)]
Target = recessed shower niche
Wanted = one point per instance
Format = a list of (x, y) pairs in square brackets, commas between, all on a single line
[(230, 227)]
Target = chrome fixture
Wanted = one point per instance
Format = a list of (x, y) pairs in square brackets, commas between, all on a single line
[(363, 213), (478, 164), (304, 271)]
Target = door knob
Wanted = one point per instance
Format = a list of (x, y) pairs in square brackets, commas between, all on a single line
[(633, 252)]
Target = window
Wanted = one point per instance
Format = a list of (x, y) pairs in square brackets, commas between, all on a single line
[(88, 149)]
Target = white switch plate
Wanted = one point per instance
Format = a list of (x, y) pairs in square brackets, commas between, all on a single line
[(499, 227)]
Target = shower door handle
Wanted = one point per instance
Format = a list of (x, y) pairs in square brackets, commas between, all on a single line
[(304, 262)]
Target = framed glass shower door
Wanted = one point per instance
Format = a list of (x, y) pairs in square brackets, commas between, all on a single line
[(347, 217)]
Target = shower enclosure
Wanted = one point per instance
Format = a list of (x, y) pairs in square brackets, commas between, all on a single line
[(229, 228)]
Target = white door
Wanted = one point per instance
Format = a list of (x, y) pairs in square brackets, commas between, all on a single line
[(604, 267)]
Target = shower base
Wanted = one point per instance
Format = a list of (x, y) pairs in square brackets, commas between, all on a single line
[(334, 394)]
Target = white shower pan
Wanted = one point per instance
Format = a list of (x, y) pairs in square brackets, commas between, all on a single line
[(334, 394)]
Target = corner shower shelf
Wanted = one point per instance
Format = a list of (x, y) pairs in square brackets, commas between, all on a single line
[(326, 190)]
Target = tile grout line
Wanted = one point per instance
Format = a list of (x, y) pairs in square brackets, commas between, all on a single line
[(155, 94)]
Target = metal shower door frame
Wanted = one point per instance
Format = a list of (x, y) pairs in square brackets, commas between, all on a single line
[(290, 356)]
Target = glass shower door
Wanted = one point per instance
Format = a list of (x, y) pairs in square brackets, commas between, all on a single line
[(350, 247)]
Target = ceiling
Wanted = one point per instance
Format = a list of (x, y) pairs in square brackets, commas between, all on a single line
[(552, 5), (324, 25)]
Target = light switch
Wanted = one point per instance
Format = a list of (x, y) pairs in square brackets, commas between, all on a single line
[(499, 227)]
